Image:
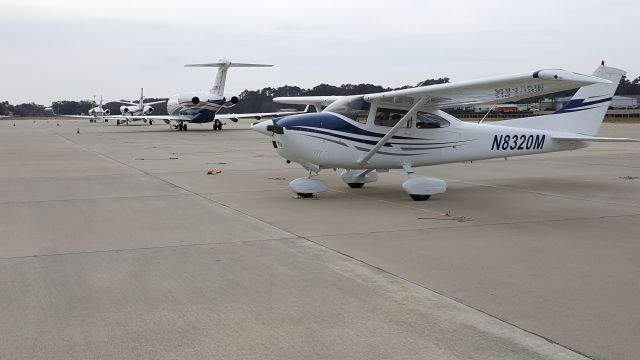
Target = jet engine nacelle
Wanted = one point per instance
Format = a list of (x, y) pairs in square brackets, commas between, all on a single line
[(191, 99), (107, 112), (147, 110), (124, 110), (230, 100)]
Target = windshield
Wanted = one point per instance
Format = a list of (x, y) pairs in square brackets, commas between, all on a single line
[(355, 108)]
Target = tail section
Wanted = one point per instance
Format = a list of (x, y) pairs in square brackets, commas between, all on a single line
[(141, 103), (221, 76), (584, 113)]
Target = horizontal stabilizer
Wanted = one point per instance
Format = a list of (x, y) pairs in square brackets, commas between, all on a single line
[(228, 64), (593, 139)]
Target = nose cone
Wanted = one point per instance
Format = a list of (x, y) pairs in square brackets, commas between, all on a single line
[(261, 127)]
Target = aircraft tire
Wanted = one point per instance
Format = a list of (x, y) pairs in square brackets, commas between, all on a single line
[(184, 127), (305, 195), (355, 185), (150, 122), (417, 197)]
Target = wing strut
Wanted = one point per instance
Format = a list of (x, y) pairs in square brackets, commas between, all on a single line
[(414, 109)]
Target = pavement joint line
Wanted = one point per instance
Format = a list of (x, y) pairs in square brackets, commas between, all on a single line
[(89, 199), (459, 301), (502, 187), (66, 176), (472, 225), (588, 163), (176, 186), (147, 248), (544, 193)]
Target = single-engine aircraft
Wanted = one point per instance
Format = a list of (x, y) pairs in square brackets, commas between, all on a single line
[(203, 106), (402, 129)]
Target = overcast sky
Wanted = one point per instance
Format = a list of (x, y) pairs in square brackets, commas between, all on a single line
[(72, 49)]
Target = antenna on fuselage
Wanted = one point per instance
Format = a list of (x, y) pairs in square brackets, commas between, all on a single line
[(221, 76)]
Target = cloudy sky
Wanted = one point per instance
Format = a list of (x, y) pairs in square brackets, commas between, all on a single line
[(72, 49)]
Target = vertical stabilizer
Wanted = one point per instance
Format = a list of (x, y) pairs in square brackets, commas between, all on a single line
[(583, 114), (221, 76)]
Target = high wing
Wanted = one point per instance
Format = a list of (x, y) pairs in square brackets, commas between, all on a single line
[(490, 90), (482, 91), (316, 101)]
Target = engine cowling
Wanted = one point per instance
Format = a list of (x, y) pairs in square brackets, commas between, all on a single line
[(147, 110), (230, 101), (124, 110), (195, 100), (107, 112)]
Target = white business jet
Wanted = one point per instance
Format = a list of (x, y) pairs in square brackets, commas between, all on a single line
[(403, 129), (95, 113), (98, 112), (133, 111), (203, 106)]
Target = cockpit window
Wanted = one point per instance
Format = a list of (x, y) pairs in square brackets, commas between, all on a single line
[(425, 120), (388, 117), (355, 108)]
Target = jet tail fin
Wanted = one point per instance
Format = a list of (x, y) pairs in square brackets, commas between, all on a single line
[(221, 76), (584, 113)]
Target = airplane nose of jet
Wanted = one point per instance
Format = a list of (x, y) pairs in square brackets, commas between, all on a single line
[(261, 127)]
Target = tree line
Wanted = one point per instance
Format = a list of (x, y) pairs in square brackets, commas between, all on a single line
[(261, 100)]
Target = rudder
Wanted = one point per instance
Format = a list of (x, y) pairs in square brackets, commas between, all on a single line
[(583, 114)]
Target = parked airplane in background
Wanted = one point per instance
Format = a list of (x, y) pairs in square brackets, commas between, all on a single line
[(203, 106), (403, 129), (130, 110), (95, 113)]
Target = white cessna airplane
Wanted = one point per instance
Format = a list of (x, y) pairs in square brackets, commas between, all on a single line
[(203, 106), (403, 129), (130, 110)]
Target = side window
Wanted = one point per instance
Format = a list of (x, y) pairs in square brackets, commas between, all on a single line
[(388, 117), (425, 120)]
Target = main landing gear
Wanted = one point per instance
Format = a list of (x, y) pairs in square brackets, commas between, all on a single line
[(217, 124), (421, 188), (305, 187), (181, 126), (357, 179)]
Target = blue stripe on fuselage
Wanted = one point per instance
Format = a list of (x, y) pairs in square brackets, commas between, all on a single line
[(574, 105), (329, 121)]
